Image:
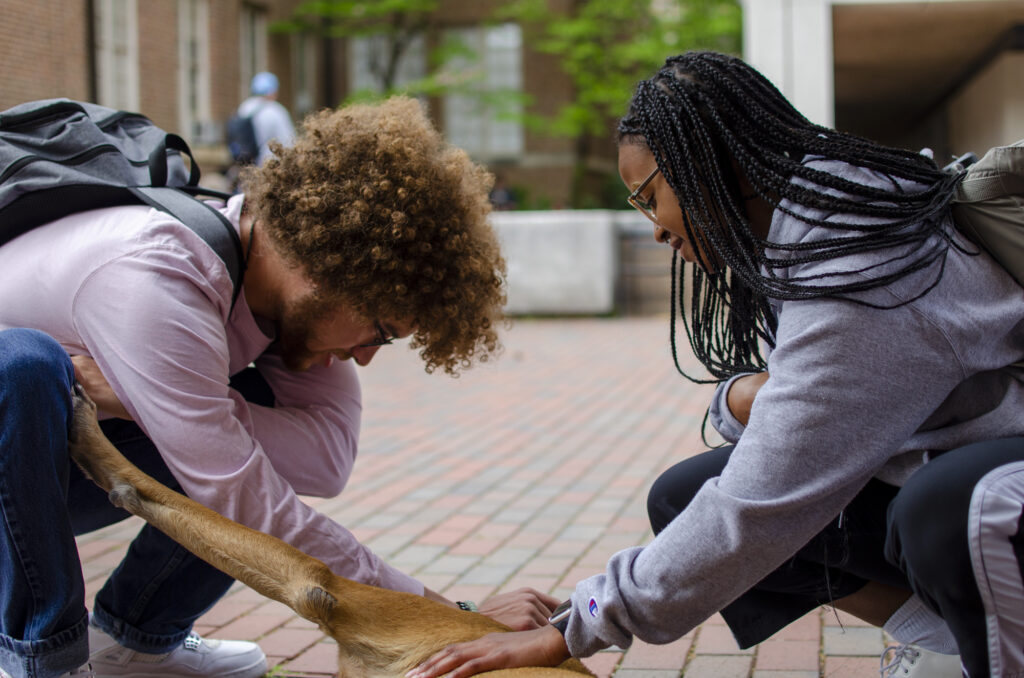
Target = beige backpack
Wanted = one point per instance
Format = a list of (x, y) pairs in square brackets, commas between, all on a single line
[(989, 207)]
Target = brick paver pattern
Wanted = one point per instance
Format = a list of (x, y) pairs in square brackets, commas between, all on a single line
[(529, 470)]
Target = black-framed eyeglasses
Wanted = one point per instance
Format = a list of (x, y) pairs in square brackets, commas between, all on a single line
[(382, 338), (637, 201)]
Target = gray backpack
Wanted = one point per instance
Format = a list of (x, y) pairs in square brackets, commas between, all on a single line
[(989, 206), (58, 157)]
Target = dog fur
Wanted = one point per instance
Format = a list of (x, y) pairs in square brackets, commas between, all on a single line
[(379, 632)]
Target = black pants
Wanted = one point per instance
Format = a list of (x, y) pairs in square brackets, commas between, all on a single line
[(915, 537)]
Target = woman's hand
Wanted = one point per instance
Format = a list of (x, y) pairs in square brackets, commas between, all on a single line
[(742, 393), (96, 386), (544, 646), (520, 610)]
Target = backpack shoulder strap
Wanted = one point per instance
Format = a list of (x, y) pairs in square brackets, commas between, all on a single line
[(209, 224)]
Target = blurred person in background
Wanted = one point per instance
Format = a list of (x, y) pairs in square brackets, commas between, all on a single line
[(270, 119)]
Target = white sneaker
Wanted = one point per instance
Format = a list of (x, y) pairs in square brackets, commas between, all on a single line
[(911, 661), (80, 672), (196, 658)]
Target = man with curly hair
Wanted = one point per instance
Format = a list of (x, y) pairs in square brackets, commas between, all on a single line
[(370, 228)]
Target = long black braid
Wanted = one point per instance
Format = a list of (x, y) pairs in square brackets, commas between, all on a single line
[(706, 115)]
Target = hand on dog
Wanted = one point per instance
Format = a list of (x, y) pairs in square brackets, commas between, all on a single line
[(540, 647), (520, 610), (88, 374)]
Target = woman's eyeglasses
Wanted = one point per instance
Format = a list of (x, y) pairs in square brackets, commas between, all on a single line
[(636, 200)]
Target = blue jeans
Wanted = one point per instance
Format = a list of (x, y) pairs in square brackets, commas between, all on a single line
[(155, 594)]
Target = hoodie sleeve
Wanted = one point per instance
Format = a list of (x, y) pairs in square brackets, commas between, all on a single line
[(719, 414)]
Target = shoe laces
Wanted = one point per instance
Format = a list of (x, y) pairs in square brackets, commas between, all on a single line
[(903, 657), (193, 642)]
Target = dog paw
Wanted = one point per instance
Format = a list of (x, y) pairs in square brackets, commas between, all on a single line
[(124, 495), (86, 442), (84, 418), (81, 398)]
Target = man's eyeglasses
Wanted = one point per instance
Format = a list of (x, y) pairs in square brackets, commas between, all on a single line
[(636, 200), (382, 338)]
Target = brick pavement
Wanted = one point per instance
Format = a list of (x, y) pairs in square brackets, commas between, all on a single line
[(528, 471)]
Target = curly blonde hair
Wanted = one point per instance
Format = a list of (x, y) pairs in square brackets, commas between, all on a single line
[(383, 215)]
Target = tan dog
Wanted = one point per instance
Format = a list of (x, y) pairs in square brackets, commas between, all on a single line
[(379, 632)]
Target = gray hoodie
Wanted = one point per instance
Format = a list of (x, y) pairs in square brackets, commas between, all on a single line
[(855, 392)]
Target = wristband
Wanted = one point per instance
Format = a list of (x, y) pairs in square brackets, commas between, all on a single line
[(467, 605)]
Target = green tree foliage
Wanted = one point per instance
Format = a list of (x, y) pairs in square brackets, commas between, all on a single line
[(603, 46), (607, 46), (393, 27)]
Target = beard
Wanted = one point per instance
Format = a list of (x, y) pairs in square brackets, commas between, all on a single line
[(295, 329)]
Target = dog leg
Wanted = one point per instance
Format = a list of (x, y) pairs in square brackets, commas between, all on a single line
[(265, 563), (379, 632)]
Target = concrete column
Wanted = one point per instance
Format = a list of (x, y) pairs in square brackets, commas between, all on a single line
[(790, 42)]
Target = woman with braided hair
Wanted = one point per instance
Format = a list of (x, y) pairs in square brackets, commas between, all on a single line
[(865, 352)]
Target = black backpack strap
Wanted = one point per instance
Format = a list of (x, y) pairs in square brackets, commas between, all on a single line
[(209, 224), (158, 161)]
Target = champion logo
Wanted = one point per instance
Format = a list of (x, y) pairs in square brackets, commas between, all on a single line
[(592, 606)]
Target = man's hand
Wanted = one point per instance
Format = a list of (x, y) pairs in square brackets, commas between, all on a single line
[(742, 393), (520, 610), (544, 646), (88, 374)]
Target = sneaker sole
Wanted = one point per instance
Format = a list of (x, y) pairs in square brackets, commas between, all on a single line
[(255, 670)]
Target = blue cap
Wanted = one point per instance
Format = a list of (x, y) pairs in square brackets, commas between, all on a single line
[(263, 84)]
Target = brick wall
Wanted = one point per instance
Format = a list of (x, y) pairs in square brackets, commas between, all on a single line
[(224, 59), (158, 62), (43, 46), (43, 50)]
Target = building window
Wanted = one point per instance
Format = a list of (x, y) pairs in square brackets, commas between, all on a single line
[(304, 74), (479, 119), (194, 110), (370, 67), (117, 53), (253, 47)]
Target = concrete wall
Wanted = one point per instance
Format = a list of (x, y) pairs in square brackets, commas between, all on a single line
[(989, 111), (585, 262), (559, 262)]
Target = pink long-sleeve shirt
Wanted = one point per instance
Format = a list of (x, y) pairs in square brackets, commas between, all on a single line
[(151, 302)]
